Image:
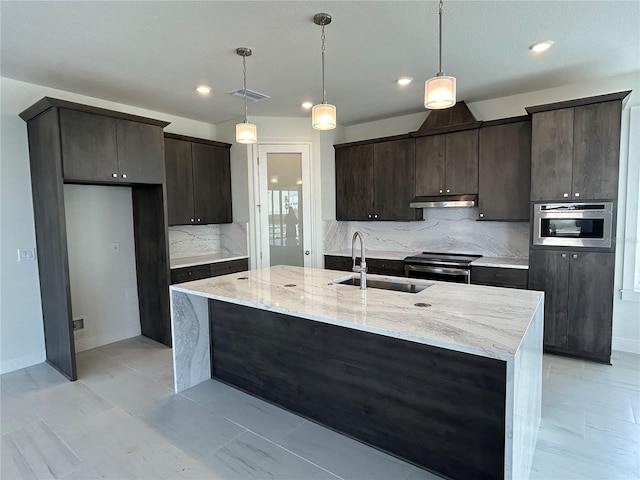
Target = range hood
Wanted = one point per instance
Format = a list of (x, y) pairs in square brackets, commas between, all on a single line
[(440, 201)]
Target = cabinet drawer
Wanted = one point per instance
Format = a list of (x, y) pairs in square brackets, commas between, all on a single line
[(232, 266), (499, 277), (187, 274), (386, 267), (335, 262)]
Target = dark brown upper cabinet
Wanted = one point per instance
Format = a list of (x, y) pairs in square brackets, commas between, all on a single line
[(504, 170), (198, 180), (102, 149), (575, 150), (375, 181), (447, 164)]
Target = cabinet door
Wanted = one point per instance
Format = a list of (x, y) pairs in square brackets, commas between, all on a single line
[(430, 165), (334, 262), (551, 154), (596, 150), (461, 174), (354, 183), (504, 172), (591, 303), (394, 176), (211, 183), (549, 272), (179, 168), (140, 152), (89, 147)]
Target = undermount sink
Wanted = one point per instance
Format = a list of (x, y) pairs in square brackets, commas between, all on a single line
[(387, 285)]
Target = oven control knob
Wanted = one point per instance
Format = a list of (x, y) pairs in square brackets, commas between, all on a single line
[(375, 216), (565, 195), (564, 255), (369, 215), (576, 194), (575, 255), (440, 191), (482, 215), (448, 191)]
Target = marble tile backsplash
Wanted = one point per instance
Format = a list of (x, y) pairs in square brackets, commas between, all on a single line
[(193, 240), (451, 230)]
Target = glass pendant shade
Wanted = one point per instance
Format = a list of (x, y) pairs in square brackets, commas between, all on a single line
[(323, 116), (246, 133), (440, 92)]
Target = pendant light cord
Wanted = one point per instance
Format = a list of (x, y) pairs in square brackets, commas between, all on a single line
[(440, 72), (324, 92), (244, 74)]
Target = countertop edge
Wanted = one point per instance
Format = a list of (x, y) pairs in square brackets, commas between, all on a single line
[(202, 260)]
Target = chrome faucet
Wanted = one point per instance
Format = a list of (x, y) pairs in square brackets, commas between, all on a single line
[(362, 269)]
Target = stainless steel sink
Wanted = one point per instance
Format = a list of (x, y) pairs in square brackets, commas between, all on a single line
[(387, 285)]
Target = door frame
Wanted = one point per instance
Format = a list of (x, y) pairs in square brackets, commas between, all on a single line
[(258, 237)]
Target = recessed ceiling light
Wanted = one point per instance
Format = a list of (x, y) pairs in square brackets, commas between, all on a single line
[(203, 90), (542, 46), (307, 105), (404, 81)]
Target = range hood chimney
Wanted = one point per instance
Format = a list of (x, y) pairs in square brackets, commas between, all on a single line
[(455, 119)]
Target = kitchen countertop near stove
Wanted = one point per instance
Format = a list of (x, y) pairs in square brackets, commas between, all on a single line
[(500, 262)]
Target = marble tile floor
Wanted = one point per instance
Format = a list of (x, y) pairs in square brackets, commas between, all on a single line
[(121, 420)]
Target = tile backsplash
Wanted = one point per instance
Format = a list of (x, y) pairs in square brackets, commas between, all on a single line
[(195, 240), (451, 230)]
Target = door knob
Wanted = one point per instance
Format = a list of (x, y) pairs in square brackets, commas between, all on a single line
[(307, 252), (114, 175), (124, 175)]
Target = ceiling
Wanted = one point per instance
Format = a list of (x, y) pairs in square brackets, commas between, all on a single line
[(153, 54)]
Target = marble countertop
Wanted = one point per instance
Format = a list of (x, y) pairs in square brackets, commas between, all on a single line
[(203, 259), (486, 321), (502, 262), (382, 254)]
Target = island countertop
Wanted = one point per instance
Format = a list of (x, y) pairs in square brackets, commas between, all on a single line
[(486, 321)]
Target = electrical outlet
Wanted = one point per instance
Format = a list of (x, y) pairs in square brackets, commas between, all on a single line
[(115, 247), (26, 254), (78, 324)]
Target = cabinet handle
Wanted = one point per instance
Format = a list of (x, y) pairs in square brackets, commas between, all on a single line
[(192, 219), (448, 191), (198, 219), (565, 195), (369, 215), (124, 175), (375, 216), (114, 175), (440, 191), (575, 255), (482, 215), (576, 194), (564, 255)]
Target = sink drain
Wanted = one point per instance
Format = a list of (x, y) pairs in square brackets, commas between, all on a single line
[(243, 278), (289, 285), (422, 304)]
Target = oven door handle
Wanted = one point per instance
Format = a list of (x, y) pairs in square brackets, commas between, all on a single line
[(429, 269)]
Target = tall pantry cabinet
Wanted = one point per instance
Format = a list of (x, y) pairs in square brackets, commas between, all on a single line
[(74, 143), (574, 159)]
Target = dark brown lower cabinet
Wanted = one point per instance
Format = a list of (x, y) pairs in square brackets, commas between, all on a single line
[(499, 277), (198, 272), (578, 311), (374, 265)]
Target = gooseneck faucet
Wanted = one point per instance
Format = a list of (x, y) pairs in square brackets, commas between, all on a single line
[(362, 269)]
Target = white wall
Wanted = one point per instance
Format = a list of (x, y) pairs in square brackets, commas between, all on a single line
[(21, 331), (104, 288), (626, 314)]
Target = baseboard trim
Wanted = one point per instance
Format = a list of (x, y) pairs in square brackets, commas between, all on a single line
[(14, 364), (94, 341), (625, 345)]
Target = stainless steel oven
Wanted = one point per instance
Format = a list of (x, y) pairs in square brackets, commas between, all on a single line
[(446, 267), (573, 224)]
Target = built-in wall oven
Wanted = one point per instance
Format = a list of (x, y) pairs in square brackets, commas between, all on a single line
[(447, 267), (573, 224)]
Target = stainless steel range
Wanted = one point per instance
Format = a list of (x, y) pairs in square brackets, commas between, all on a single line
[(447, 267)]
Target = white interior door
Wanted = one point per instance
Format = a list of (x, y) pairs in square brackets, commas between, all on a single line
[(284, 205)]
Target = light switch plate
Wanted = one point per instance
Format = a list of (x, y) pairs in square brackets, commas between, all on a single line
[(26, 254)]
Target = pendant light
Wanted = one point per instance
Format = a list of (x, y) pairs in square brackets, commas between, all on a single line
[(440, 91), (323, 115), (245, 132)]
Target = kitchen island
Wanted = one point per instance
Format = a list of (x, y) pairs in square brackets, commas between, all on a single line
[(448, 378)]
